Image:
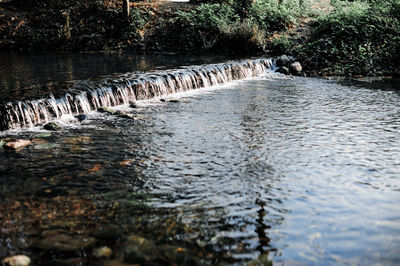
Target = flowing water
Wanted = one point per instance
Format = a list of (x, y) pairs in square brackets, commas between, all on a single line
[(267, 169)]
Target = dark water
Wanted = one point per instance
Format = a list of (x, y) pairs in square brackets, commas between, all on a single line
[(268, 170), (35, 75)]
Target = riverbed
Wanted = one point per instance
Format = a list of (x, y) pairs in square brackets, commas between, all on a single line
[(271, 169)]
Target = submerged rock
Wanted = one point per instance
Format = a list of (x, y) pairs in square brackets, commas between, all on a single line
[(108, 231), (41, 135), (17, 260), (179, 256), (295, 68), (53, 126), (64, 243), (102, 253), (18, 144), (139, 250)]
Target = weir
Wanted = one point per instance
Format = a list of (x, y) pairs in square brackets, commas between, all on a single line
[(126, 88)]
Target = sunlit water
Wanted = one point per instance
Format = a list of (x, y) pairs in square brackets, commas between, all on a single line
[(286, 170)]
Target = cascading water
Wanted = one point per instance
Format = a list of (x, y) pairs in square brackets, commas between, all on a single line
[(128, 87)]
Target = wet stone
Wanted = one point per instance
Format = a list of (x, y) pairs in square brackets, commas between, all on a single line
[(53, 126), (295, 68), (81, 117), (179, 256), (139, 250), (174, 101), (41, 135), (64, 242), (284, 60), (109, 231), (133, 104), (102, 253), (107, 110), (17, 144), (284, 70), (17, 260)]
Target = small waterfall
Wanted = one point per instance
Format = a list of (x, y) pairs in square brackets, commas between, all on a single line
[(128, 87)]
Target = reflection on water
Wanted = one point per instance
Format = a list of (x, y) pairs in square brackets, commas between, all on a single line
[(273, 169), (35, 75)]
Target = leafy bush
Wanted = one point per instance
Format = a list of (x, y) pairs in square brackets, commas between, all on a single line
[(199, 28), (359, 38), (272, 16), (242, 37)]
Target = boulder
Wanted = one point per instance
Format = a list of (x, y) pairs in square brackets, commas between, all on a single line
[(18, 144), (295, 68), (53, 126), (17, 260), (284, 70), (284, 60)]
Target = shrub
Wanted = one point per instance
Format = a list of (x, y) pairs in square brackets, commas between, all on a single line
[(359, 38), (272, 16)]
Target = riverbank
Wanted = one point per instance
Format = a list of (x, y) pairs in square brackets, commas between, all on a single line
[(330, 38)]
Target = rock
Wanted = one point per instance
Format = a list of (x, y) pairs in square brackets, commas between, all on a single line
[(107, 110), (18, 144), (45, 146), (284, 60), (102, 253), (41, 135), (17, 260), (174, 101), (179, 256), (138, 250), (53, 126), (81, 117), (162, 100), (108, 231), (133, 104), (64, 243), (295, 68), (123, 114), (284, 70)]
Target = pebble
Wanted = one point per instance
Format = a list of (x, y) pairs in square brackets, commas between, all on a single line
[(17, 260), (102, 252)]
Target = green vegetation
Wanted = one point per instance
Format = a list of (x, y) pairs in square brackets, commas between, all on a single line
[(361, 37), (358, 37)]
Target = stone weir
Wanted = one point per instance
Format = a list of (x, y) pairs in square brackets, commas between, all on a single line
[(126, 88)]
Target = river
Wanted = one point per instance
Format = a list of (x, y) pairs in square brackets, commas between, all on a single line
[(271, 169)]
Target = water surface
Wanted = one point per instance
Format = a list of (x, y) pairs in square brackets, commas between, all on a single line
[(271, 169)]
